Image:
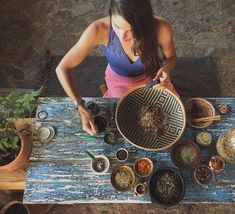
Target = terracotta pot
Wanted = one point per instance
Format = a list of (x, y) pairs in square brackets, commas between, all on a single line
[(22, 157), (14, 207)]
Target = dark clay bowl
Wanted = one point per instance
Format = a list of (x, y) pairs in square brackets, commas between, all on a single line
[(186, 155), (101, 123), (161, 181)]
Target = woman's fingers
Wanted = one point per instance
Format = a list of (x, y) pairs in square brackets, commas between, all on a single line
[(88, 124), (159, 86), (93, 127), (162, 75), (90, 128)]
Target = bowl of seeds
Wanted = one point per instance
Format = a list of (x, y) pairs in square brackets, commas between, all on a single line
[(122, 178), (186, 155), (203, 175)]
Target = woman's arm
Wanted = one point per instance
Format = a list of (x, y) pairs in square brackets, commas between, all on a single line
[(88, 40), (166, 43), (91, 37)]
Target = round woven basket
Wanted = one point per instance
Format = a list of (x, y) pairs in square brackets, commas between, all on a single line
[(127, 118)]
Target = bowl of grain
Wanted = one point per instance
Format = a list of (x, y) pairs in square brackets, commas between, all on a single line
[(122, 178)]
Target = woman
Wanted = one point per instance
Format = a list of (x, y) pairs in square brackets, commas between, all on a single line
[(131, 37)]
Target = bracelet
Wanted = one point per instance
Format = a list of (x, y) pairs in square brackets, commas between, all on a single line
[(79, 102)]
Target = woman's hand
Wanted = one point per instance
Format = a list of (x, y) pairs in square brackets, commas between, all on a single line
[(88, 124), (164, 77)]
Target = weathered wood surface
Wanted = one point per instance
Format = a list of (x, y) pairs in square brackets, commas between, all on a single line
[(60, 171)]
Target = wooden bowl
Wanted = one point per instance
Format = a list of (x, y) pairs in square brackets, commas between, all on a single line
[(199, 108), (129, 172), (183, 152), (128, 118)]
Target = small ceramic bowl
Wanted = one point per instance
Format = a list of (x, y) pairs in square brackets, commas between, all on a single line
[(204, 139), (140, 189), (143, 167), (110, 138), (198, 108), (217, 164), (45, 133), (186, 155), (223, 108), (203, 175), (100, 164), (122, 154)]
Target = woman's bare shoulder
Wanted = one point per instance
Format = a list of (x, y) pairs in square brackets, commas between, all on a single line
[(161, 23), (101, 28), (162, 27)]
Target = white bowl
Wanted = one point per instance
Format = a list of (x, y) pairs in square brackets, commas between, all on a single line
[(100, 164)]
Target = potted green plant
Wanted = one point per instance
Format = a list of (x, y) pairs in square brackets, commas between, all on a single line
[(15, 145)]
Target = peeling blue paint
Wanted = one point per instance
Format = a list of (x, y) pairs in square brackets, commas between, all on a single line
[(60, 172)]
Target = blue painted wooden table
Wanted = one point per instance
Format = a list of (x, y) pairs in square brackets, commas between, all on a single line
[(60, 172)]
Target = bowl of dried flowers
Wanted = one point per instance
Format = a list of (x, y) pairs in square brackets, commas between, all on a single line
[(143, 167)]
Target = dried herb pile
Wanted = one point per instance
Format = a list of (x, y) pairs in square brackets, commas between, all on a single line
[(185, 155), (203, 174), (123, 179), (167, 187), (152, 120)]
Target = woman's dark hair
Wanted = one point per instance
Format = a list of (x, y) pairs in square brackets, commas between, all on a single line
[(139, 14)]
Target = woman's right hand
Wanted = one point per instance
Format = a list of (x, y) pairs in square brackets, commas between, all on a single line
[(88, 124)]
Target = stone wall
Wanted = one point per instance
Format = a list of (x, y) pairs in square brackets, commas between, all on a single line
[(32, 28)]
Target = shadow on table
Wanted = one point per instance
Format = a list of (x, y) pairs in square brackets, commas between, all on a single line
[(192, 77)]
